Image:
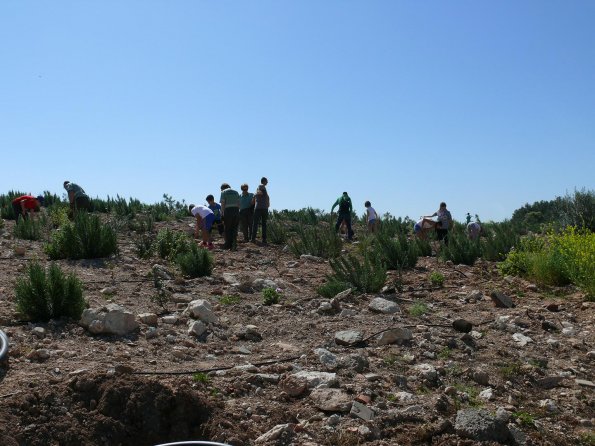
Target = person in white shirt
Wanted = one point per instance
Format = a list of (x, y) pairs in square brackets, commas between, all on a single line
[(204, 221), (371, 217)]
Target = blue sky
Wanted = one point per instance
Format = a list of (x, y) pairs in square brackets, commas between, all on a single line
[(484, 105)]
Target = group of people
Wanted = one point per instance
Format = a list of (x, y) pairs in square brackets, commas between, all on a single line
[(244, 212), (444, 223), (23, 206)]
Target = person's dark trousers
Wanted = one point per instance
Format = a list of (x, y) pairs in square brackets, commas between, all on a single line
[(246, 217), (260, 215), (16, 208), (81, 203), (347, 219), (231, 220), (442, 235)]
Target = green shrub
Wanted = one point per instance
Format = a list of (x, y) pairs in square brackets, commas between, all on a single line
[(270, 296), (58, 215), (6, 210), (499, 240), (460, 249), (142, 223), (418, 309), (331, 288), (316, 241), (391, 226), (365, 274), (27, 229), (424, 248), (145, 245), (230, 299), (196, 262), (436, 279), (276, 232), (305, 216), (396, 253), (85, 238), (170, 244), (42, 296)]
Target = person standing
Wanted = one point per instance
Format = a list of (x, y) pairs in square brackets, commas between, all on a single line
[(25, 205), (261, 210), (345, 209), (444, 222), (246, 212), (77, 197), (371, 217), (230, 212)]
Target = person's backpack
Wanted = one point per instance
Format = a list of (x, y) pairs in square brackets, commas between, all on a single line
[(344, 205)]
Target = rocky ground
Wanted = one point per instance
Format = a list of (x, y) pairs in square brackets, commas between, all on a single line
[(215, 363)]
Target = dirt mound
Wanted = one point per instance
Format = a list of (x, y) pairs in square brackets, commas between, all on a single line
[(100, 410)]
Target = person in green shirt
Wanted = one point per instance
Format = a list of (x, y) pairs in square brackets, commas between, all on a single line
[(246, 212), (345, 209), (77, 197), (230, 211)]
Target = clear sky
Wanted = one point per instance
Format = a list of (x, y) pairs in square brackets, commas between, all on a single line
[(486, 105)]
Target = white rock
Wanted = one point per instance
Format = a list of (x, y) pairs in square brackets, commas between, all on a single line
[(39, 332), (549, 405), (326, 358), (384, 306), (331, 400), (317, 379), (487, 394), (521, 339), (201, 309), (170, 320), (274, 434), (404, 397), (196, 328)]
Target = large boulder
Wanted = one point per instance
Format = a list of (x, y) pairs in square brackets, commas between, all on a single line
[(111, 319)]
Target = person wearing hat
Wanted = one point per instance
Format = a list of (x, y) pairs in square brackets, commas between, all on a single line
[(25, 205), (77, 197)]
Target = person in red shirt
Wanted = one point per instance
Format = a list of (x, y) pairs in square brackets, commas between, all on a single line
[(26, 204)]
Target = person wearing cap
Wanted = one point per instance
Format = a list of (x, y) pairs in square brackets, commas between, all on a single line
[(261, 210), (204, 222), (345, 209), (77, 197), (25, 205), (246, 212), (230, 212)]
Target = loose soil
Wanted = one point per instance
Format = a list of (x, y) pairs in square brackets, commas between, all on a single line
[(111, 390)]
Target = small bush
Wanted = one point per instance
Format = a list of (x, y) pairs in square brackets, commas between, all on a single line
[(418, 309), (316, 241), (270, 296), (42, 296), (436, 279), (331, 288), (85, 238), (230, 299), (460, 249), (500, 239), (396, 253), (58, 215), (364, 274), (145, 246), (197, 262), (170, 244), (27, 229), (276, 232), (424, 248)]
